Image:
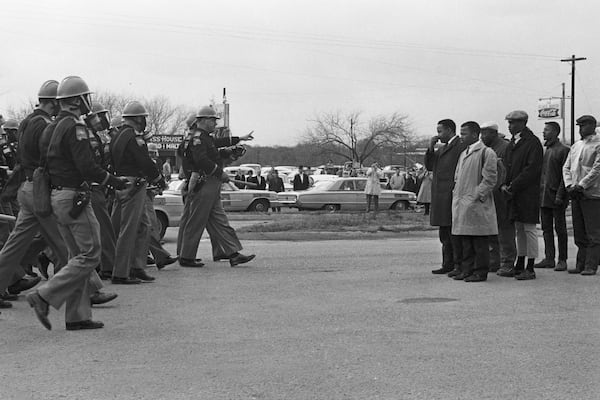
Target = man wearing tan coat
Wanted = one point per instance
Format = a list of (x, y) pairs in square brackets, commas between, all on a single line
[(473, 209)]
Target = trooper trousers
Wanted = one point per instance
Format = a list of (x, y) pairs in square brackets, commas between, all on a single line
[(107, 233), (26, 227), (158, 252), (206, 212), (70, 284), (133, 222)]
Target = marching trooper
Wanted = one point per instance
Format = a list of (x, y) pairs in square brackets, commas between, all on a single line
[(130, 159), (69, 161), (204, 191)]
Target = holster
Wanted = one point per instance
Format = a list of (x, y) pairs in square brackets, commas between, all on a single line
[(80, 201)]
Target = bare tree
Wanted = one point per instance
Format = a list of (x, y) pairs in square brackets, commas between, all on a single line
[(346, 136), (20, 112)]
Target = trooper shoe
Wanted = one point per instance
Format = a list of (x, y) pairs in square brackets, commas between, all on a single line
[(102, 298), (561, 265), (8, 296), (240, 259), (168, 261), (5, 304), (88, 324), (40, 307), (545, 263), (116, 280), (150, 261), (23, 284), (141, 275), (186, 262), (525, 275)]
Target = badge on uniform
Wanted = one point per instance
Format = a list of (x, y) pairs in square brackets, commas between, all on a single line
[(81, 132), (140, 141), (196, 141)]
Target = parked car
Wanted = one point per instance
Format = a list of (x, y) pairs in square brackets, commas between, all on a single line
[(345, 194), (169, 205)]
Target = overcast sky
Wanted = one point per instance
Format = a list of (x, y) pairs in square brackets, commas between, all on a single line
[(282, 61)]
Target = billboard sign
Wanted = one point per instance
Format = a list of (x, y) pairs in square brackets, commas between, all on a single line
[(549, 108)]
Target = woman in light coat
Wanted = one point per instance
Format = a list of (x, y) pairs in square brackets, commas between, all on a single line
[(424, 196), (373, 187)]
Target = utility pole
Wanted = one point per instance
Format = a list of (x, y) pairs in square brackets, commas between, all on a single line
[(562, 112), (573, 60)]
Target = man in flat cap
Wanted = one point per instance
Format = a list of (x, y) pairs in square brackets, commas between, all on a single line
[(503, 249), (553, 197), (522, 190), (581, 174)]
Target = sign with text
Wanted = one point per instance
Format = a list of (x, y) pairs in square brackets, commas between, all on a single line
[(549, 108), (167, 142)]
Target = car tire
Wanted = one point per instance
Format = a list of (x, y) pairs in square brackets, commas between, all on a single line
[(331, 207), (163, 223), (400, 205), (260, 205)]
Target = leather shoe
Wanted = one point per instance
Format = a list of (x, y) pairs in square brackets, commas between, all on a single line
[(453, 273), (441, 271), (561, 265), (5, 304), (141, 275), (219, 258), (588, 272), (150, 260), (575, 270), (105, 275), (494, 268), (545, 263), (476, 278), (525, 275), (8, 296), (168, 261), (40, 307), (88, 324), (125, 281), (460, 276), (240, 259), (186, 262), (23, 284), (101, 298), (506, 272)]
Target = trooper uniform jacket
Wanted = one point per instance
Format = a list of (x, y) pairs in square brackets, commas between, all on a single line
[(130, 157), (70, 161), (30, 134), (203, 154)]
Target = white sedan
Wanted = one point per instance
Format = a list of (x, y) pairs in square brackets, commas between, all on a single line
[(345, 194)]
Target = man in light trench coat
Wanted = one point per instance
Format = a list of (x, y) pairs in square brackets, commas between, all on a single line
[(473, 209)]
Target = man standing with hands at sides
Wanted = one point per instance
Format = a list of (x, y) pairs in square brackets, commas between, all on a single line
[(204, 194), (581, 174), (301, 181), (442, 162), (554, 199), (522, 189), (70, 164), (473, 210)]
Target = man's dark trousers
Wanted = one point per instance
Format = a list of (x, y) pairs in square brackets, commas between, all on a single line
[(451, 248), (554, 219)]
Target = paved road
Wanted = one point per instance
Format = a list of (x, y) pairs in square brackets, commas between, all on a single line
[(317, 320)]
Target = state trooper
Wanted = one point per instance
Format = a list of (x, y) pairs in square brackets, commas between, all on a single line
[(9, 142), (70, 163), (130, 159), (100, 142), (204, 193), (161, 256), (28, 223)]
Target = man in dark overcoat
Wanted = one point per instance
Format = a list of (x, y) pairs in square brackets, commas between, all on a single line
[(442, 162), (522, 188), (553, 199)]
